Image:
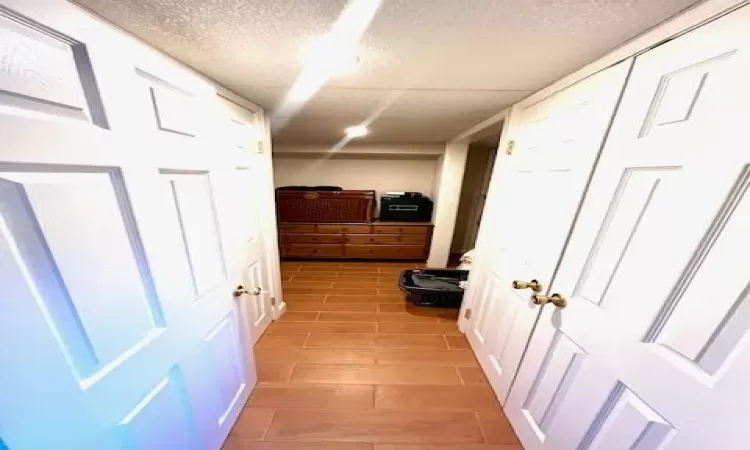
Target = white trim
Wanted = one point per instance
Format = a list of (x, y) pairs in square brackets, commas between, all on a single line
[(469, 134), (271, 235), (447, 196), (230, 96), (279, 310), (685, 21)]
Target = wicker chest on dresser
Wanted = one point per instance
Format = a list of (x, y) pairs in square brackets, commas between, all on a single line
[(377, 240)]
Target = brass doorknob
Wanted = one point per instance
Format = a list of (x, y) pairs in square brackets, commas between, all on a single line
[(240, 290), (556, 299), (534, 285)]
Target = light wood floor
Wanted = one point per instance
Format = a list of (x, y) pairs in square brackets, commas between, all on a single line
[(351, 367)]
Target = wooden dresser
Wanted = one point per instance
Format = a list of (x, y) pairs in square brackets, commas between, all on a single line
[(377, 240)]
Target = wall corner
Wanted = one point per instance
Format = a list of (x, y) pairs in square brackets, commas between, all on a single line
[(447, 196)]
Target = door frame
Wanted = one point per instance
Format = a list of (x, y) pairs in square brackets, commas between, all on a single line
[(269, 230)]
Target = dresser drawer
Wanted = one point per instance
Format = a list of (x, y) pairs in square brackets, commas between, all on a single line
[(384, 239), (297, 227), (401, 229), (385, 251), (333, 228), (313, 239), (315, 250)]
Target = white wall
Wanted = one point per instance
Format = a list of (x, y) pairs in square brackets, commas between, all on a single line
[(446, 202), (381, 168)]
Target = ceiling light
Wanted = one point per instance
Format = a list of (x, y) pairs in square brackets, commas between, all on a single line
[(330, 57), (356, 131)]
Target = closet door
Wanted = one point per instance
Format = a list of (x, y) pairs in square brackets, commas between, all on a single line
[(557, 141), (252, 280), (652, 350), (118, 329)]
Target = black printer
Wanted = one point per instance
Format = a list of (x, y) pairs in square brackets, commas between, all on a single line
[(405, 207)]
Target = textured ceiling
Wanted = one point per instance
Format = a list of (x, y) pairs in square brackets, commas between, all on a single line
[(441, 65)]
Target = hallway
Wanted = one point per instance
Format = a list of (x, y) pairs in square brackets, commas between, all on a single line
[(351, 367)]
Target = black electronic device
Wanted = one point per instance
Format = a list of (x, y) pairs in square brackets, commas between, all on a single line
[(405, 207)]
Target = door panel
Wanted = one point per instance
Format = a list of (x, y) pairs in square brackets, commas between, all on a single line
[(163, 406), (529, 214), (561, 364), (257, 307), (655, 270), (60, 85), (226, 356), (173, 111), (193, 206), (631, 201)]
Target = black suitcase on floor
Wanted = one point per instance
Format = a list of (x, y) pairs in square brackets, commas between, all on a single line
[(434, 287)]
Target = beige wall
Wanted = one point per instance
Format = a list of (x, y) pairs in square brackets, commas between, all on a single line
[(434, 170), (382, 175), (381, 168)]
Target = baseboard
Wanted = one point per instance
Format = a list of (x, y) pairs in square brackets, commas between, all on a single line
[(279, 310)]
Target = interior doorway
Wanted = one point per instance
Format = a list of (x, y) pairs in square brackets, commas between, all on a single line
[(477, 174)]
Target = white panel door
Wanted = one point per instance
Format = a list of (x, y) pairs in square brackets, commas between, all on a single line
[(244, 209), (653, 350), (252, 275), (118, 328), (558, 140)]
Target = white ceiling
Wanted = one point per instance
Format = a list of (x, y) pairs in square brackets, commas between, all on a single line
[(444, 65)]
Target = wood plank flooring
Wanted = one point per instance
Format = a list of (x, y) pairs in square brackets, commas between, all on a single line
[(352, 366)]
